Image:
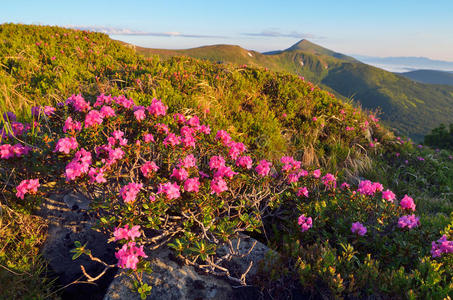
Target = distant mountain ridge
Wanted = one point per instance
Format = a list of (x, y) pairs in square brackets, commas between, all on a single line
[(404, 64), (411, 108), (430, 76)]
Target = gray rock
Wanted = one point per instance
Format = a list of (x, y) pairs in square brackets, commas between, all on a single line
[(171, 281), (69, 222)]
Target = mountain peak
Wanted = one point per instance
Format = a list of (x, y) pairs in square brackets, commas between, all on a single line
[(312, 48)]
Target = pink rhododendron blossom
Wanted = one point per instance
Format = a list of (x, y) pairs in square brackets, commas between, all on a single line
[(216, 162), (140, 115), (407, 203), (48, 110), (65, 145), (148, 168), (224, 171), (152, 198), (27, 186), (93, 118), (126, 234), (369, 188), (157, 108), (349, 128), (71, 125), (316, 173), (442, 246), (218, 185), (304, 222), (303, 191), (244, 162), (289, 163), (192, 185), (263, 168), (188, 162), (345, 186), (388, 195), (171, 190), (329, 181), (358, 228), (103, 99), (129, 192), (115, 154), (123, 101), (236, 149), (204, 129), (128, 256), (107, 112), (18, 128), (180, 174), (162, 128), (96, 175), (172, 140), (179, 118), (223, 136), (148, 138), (188, 141), (193, 121), (410, 221), (118, 134), (79, 103)]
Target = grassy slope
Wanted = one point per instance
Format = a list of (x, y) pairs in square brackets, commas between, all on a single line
[(411, 108)]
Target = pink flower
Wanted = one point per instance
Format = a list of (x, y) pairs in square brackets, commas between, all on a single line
[(244, 162), (441, 246), (171, 190), (6, 151), (140, 115), (128, 256), (304, 222), (223, 136), (348, 128), (107, 111), (329, 181), (172, 140), (224, 171), (126, 233), (124, 102), (407, 203), (317, 173), (115, 154), (129, 192), (216, 162), (218, 185), (193, 121), (303, 191), (410, 221), (93, 118), (157, 108), (162, 128), (289, 163), (78, 103), (67, 144), (96, 175), (369, 188), (27, 186), (149, 167), (388, 195), (188, 162), (179, 118), (263, 168), (148, 138), (204, 129), (71, 125), (314, 118), (344, 186), (180, 174), (358, 228), (236, 149), (192, 185)]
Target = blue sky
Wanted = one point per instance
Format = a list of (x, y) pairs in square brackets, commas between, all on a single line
[(374, 28)]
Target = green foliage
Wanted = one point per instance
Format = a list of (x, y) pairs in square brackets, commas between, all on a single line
[(440, 137)]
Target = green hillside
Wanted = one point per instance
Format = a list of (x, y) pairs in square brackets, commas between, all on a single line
[(410, 108), (296, 183), (430, 76)]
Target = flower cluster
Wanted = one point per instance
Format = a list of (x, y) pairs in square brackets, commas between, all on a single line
[(358, 228), (304, 222), (65, 145), (27, 186), (126, 233), (442, 246), (407, 203), (130, 191), (128, 256), (409, 221), (8, 151), (369, 188)]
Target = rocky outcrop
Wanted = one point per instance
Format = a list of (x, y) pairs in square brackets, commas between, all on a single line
[(68, 222), (170, 280)]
